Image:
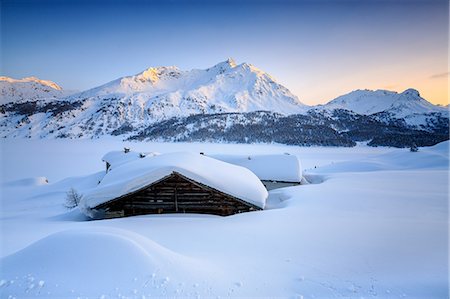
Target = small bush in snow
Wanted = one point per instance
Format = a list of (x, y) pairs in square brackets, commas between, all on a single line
[(72, 198)]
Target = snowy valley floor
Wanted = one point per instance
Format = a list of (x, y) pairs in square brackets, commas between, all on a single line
[(373, 224)]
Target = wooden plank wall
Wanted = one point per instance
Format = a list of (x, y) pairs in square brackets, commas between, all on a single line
[(175, 194)]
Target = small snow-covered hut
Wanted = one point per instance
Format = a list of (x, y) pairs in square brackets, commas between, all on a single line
[(275, 170), (114, 159), (175, 183)]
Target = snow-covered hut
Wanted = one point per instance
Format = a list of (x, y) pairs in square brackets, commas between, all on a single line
[(114, 159), (275, 170), (175, 183)]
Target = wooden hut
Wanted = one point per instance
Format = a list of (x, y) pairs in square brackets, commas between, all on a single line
[(175, 183), (274, 170), (116, 158)]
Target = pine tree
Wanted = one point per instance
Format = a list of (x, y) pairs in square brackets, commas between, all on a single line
[(72, 198), (413, 148)]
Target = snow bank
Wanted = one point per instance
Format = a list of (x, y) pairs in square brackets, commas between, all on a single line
[(283, 168), (234, 180)]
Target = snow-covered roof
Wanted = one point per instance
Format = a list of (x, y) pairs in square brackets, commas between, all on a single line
[(117, 158), (132, 176), (283, 168)]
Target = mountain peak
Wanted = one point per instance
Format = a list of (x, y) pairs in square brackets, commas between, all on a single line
[(228, 64), (231, 62), (373, 101), (163, 92), (154, 74), (411, 92), (31, 79), (150, 74), (12, 90)]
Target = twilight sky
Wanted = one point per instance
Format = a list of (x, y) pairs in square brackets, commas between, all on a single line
[(318, 49)]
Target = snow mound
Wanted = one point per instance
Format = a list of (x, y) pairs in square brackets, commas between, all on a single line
[(94, 258), (27, 182), (129, 177)]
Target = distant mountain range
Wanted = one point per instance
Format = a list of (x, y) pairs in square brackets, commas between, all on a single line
[(408, 105), (31, 88), (227, 102)]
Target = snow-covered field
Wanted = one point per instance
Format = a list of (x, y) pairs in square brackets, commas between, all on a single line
[(374, 223)]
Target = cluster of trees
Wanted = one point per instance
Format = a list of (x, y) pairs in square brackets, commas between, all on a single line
[(317, 127), (29, 108), (409, 139), (253, 127), (338, 128)]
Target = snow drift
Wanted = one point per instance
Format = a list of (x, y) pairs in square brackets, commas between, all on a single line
[(106, 256)]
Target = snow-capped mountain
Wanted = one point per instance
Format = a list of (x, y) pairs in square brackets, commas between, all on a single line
[(368, 102), (224, 102), (163, 92), (30, 88), (131, 103), (387, 105)]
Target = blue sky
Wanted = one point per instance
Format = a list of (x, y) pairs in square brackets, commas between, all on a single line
[(318, 49)]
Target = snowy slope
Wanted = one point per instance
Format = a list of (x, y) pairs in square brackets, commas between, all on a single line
[(30, 88)]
